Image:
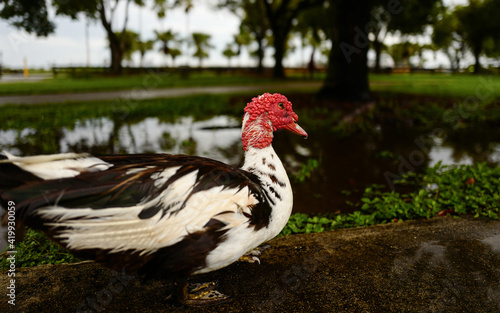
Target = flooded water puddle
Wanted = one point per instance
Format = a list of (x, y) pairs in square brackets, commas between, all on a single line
[(346, 164)]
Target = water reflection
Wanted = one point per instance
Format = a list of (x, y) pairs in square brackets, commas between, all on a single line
[(347, 163), (214, 138)]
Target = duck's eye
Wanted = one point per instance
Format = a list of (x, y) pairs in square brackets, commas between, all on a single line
[(281, 105)]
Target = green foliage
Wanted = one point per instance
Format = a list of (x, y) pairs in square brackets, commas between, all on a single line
[(32, 16), (302, 223), (306, 170), (36, 249), (201, 42), (442, 190)]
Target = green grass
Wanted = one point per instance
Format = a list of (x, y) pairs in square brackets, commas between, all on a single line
[(462, 85), (143, 82)]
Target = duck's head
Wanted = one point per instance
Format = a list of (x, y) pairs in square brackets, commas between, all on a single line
[(265, 114)]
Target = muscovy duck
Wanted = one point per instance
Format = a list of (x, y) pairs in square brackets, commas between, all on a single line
[(169, 216)]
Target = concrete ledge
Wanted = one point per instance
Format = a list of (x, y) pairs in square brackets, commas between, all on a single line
[(437, 265)]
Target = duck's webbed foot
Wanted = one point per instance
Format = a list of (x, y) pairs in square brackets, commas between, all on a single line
[(252, 256), (196, 295)]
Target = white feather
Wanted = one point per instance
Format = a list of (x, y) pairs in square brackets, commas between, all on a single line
[(120, 229), (57, 166)]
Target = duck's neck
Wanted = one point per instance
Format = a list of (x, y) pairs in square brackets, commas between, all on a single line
[(261, 160), (256, 132), (266, 165)]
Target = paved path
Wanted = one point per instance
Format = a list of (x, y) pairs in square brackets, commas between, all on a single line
[(142, 93), (438, 265)]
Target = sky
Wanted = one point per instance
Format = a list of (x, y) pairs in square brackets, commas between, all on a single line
[(67, 46)]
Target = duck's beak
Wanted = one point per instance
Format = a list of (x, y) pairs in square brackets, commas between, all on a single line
[(296, 129)]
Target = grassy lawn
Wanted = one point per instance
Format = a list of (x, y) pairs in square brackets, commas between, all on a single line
[(147, 81), (462, 85)]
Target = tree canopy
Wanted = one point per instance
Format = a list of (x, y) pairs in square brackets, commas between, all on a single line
[(30, 15), (351, 28), (479, 23)]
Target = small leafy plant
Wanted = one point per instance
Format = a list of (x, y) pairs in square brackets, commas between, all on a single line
[(306, 170), (441, 190), (37, 249)]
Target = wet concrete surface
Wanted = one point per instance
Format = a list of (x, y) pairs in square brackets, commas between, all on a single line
[(148, 93), (437, 265)]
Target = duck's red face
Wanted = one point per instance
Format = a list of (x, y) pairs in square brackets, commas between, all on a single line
[(279, 112)]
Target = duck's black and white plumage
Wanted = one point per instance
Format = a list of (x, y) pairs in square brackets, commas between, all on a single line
[(163, 215)]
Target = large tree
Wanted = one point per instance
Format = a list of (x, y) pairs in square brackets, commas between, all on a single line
[(448, 37), (32, 16), (253, 26), (347, 74), (104, 11), (280, 16), (480, 24), (351, 24)]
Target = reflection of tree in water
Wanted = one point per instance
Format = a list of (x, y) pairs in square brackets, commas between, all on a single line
[(40, 141), (110, 145), (478, 143), (188, 146), (167, 142)]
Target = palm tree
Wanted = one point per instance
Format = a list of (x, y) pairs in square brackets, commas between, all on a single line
[(143, 47), (202, 45), (174, 53), (229, 53), (165, 38)]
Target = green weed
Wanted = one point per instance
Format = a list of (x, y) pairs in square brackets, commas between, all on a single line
[(306, 170), (442, 190), (37, 249)]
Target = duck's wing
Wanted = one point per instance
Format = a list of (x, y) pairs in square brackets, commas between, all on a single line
[(138, 203)]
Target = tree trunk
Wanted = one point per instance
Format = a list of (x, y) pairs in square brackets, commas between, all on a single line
[(377, 45), (477, 53), (114, 42), (260, 55), (279, 52), (116, 56), (347, 74)]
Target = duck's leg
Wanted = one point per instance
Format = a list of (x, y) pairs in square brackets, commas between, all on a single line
[(252, 256), (179, 292), (196, 294)]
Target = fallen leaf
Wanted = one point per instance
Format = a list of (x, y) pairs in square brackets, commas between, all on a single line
[(444, 212), (470, 181)]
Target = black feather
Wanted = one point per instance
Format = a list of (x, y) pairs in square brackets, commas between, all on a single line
[(123, 185)]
